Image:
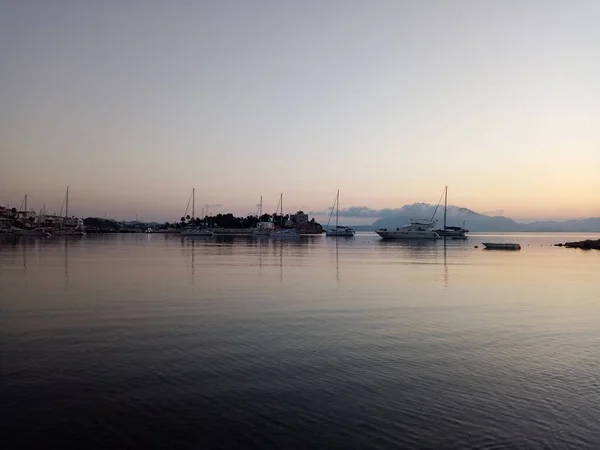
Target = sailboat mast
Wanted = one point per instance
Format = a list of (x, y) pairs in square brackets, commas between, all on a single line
[(25, 206), (193, 202), (260, 210), (337, 208), (281, 201), (445, 205), (67, 204)]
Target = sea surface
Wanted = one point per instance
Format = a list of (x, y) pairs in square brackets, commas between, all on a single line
[(154, 341)]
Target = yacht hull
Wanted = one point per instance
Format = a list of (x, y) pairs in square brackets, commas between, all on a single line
[(339, 233), (500, 246), (399, 234)]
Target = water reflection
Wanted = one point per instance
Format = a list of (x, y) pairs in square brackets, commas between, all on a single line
[(417, 249), (66, 286), (445, 266), (337, 262)]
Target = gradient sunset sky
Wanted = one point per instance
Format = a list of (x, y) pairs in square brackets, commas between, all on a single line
[(133, 103)]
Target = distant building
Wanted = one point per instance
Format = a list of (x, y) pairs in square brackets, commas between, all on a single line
[(300, 218), (74, 222), (53, 221)]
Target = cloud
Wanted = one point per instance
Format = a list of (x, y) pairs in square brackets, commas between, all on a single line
[(361, 212)]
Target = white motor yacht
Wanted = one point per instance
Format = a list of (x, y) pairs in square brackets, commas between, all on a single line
[(416, 229)]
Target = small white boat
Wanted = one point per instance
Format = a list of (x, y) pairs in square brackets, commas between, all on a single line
[(69, 232), (196, 232), (35, 232), (417, 229), (340, 231), (501, 246), (261, 232), (285, 234)]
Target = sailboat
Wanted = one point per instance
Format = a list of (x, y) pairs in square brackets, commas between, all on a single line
[(262, 228), (195, 231), (283, 233), (65, 230), (338, 230), (451, 232)]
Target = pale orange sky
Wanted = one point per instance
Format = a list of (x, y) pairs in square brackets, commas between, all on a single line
[(133, 104)]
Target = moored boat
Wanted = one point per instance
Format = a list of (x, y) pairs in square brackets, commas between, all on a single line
[(194, 231), (501, 246), (416, 229), (40, 232), (262, 228), (338, 230), (448, 231), (67, 228), (69, 232), (285, 234)]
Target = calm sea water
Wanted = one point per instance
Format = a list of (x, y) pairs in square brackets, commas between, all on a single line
[(153, 341)]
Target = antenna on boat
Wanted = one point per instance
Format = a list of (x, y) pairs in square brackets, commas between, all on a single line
[(437, 206), (445, 205), (337, 208)]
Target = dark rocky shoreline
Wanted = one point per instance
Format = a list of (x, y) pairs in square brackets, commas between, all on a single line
[(588, 244)]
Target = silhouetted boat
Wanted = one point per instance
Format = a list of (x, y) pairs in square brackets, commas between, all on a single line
[(338, 231), (65, 230), (34, 232), (501, 246), (417, 229), (283, 233), (453, 232), (192, 231)]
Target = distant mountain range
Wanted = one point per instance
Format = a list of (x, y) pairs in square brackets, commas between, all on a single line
[(475, 221)]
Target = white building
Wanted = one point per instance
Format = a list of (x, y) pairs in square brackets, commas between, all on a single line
[(75, 222)]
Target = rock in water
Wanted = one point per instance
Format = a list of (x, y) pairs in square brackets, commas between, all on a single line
[(588, 244)]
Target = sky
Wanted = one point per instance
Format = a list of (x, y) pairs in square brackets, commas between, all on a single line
[(132, 104)]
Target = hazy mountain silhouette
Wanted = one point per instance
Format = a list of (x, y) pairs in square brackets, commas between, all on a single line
[(580, 225), (389, 218)]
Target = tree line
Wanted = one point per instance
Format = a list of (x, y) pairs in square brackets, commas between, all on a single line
[(228, 220)]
